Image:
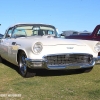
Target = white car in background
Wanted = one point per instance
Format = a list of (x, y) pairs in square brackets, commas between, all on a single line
[(36, 46)]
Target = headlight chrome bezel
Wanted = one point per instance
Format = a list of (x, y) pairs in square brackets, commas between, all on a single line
[(97, 47), (37, 48)]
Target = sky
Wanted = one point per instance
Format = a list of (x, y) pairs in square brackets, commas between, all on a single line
[(76, 15)]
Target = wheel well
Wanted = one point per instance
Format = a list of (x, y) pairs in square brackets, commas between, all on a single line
[(98, 53), (19, 51)]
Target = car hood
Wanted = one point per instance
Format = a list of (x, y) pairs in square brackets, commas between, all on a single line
[(53, 45), (54, 41)]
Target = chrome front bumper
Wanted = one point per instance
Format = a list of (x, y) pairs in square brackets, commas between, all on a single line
[(42, 64), (97, 60)]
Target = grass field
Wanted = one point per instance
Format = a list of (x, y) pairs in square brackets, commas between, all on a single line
[(49, 85)]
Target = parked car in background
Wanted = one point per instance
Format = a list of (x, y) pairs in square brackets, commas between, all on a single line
[(93, 36), (85, 33), (69, 32), (36, 46), (73, 33), (66, 34)]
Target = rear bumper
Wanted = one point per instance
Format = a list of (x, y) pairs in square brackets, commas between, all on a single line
[(42, 64)]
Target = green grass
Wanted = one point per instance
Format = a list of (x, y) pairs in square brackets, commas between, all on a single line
[(49, 85)]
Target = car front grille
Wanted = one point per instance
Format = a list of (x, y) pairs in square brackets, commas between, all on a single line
[(68, 59)]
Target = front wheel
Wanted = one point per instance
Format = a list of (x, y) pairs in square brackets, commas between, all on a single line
[(23, 68), (0, 59)]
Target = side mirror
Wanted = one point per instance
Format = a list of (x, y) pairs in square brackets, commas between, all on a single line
[(8, 35), (62, 36)]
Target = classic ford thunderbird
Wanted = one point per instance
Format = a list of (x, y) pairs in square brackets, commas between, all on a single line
[(37, 46)]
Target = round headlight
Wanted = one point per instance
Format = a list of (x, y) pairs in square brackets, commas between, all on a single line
[(97, 47), (37, 48)]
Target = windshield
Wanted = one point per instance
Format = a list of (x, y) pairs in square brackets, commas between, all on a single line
[(33, 30)]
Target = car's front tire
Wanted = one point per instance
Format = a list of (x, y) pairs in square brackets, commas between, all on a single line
[(0, 59), (23, 68)]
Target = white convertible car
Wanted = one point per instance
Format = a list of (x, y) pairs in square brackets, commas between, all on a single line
[(37, 46)]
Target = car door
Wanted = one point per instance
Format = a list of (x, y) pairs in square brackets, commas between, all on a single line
[(5, 44), (13, 47), (8, 47)]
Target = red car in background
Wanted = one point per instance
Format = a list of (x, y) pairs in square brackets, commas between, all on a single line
[(95, 36)]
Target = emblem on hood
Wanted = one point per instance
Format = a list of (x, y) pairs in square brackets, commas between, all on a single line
[(70, 47)]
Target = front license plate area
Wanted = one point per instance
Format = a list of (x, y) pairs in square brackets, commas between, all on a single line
[(73, 67)]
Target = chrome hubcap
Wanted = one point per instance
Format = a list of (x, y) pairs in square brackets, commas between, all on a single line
[(23, 66)]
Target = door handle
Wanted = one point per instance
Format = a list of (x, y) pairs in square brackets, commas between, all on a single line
[(13, 43)]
